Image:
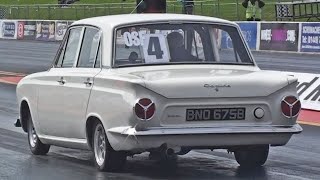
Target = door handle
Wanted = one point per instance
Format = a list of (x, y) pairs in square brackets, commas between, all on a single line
[(61, 81), (88, 82)]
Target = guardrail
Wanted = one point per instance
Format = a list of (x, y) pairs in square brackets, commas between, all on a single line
[(227, 9)]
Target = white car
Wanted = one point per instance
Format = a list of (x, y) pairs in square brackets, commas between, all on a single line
[(159, 83)]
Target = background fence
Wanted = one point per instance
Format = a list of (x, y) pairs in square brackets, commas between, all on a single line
[(228, 9)]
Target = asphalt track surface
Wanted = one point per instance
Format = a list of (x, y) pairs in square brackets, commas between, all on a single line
[(299, 159)]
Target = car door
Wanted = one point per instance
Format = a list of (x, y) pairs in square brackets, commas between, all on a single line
[(79, 82), (63, 97)]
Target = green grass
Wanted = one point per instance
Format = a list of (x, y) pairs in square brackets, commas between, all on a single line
[(28, 9)]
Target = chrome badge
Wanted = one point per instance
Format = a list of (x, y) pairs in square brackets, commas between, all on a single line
[(216, 87)]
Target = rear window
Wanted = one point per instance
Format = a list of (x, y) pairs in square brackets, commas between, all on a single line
[(178, 43)]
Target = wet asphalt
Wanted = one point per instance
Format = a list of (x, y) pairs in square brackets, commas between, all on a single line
[(299, 159)]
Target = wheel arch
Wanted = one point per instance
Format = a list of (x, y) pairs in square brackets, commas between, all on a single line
[(91, 121), (24, 112)]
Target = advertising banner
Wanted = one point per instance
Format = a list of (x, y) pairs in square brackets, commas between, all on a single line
[(61, 29), (308, 90), (45, 30), (310, 37), (279, 36), (9, 29), (0, 29), (249, 31), (26, 30)]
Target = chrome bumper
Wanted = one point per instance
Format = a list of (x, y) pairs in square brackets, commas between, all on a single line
[(127, 138)]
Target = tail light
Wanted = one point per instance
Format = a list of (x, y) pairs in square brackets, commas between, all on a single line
[(290, 106), (144, 109)]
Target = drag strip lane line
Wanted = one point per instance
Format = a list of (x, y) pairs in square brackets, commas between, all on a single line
[(6, 73), (309, 123), (7, 82)]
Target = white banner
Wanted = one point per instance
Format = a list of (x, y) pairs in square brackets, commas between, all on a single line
[(61, 29), (308, 90), (9, 29)]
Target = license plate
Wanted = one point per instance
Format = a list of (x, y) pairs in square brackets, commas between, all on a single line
[(215, 114)]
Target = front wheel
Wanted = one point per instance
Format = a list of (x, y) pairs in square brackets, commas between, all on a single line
[(36, 146), (106, 158), (253, 156)]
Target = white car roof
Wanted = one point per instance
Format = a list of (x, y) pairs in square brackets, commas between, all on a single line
[(116, 20)]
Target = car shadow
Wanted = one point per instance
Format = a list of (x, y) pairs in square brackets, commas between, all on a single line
[(79, 164)]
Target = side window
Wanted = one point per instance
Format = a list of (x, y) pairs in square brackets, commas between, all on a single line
[(69, 52), (98, 61), (89, 49), (59, 63)]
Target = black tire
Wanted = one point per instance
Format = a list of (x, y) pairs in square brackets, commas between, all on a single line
[(113, 160), (253, 156), (36, 146)]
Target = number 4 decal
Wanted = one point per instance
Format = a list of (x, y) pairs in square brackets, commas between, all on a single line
[(154, 47)]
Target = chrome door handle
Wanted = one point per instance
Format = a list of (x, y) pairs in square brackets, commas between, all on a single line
[(88, 82), (61, 81)]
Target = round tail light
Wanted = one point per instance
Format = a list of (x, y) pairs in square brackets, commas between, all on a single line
[(144, 109), (290, 106)]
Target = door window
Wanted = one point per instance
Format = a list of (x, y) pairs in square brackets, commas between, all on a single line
[(98, 61), (89, 47), (69, 52)]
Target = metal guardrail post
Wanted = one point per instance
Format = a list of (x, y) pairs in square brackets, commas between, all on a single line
[(38, 12), (121, 8), (28, 12), (61, 13), (18, 12), (218, 8), (84, 11), (237, 7), (49, 12)]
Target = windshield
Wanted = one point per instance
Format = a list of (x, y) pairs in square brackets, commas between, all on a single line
[(179, 43)]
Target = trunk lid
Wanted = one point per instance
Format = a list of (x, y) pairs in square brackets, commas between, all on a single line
[(211, 83)]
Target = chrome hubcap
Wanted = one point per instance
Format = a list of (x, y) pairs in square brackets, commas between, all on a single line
[(32, 135), (99, 144)]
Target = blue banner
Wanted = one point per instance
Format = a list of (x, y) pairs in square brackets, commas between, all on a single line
[(45, 30), (249, 31), (310, 37)]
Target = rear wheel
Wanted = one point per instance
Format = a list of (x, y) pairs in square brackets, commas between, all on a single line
[(253, 156), (106, 158), (36, 146)]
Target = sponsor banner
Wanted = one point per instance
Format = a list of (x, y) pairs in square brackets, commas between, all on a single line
[(26, 30), (308, 90), (61, 29), (310, 37), (9, 29), (249, 32), (279, 36), (0, 29), (45, 30)]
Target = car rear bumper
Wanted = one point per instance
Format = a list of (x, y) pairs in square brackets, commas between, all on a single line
[(127, 138)]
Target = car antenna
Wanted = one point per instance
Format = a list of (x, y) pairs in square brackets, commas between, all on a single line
[(137, 6)]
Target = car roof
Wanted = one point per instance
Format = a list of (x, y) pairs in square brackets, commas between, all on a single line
[(116, 20)]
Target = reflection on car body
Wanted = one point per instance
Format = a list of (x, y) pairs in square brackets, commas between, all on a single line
[(127, 84)]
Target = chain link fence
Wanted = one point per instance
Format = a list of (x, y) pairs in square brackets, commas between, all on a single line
[(227, 9)]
